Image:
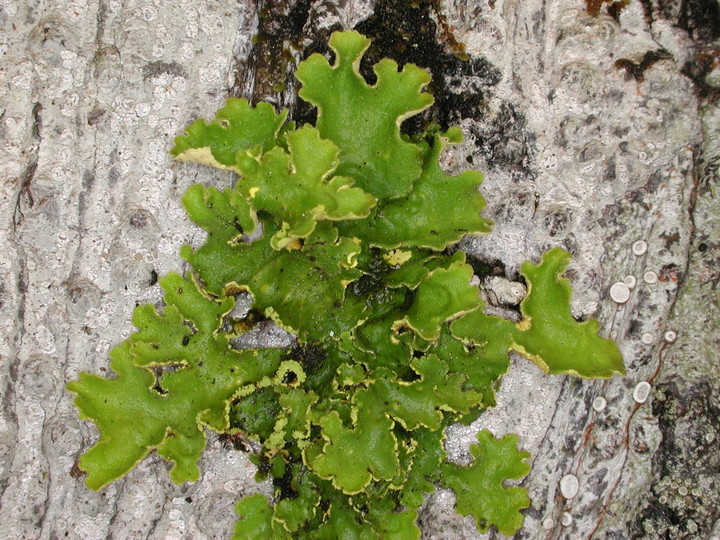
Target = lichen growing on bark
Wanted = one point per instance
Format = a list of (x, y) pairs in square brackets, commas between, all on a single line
[(340, 232)]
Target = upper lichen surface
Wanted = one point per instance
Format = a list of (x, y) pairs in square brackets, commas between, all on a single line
[(340, 233), (364, 120)]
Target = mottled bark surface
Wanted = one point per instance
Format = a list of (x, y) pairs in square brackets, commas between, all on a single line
[(597, 127)]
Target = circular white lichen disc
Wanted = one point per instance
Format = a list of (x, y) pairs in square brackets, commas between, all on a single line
[(619, 292), (569, 486), (641, 392), (639, 247), (599, 404), (647, 338)]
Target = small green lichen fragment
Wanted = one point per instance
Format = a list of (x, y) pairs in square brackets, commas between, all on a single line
[(363, 120), (225, 257), (352, 457), (342, 522), (479, 487), (483, 364), (374, 344), (255, 521), (136, 412), (388, 522), (422, 402), (226, 215), (548, 333), (423, 472), (237, 126), (299, 188), (299, 502), (280, 286), (443, 295), (294, 423), (429, 216), (256, 412)]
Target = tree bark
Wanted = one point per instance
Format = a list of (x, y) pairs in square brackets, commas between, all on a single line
[(595, 124)]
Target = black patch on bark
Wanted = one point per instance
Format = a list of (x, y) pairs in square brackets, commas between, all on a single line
[(407, 33), (285, 485), (701, 20), (637, 71), (155, 69), (281, 25), (486, 267), (311, 357), (613, 8), (506, 142), (25, 196)]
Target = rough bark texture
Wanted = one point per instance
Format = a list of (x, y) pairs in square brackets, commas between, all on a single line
[(597, 126)]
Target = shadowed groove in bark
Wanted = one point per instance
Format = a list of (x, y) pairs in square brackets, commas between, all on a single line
[(28, 174), (266, 74)]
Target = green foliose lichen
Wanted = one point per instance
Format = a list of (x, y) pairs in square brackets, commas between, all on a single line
[(338, 231)]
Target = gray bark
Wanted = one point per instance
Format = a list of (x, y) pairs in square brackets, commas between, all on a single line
[(576, 151)]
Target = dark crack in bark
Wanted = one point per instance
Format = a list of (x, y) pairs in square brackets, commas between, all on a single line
[(268, 71), (24, 195), (408, 32)]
